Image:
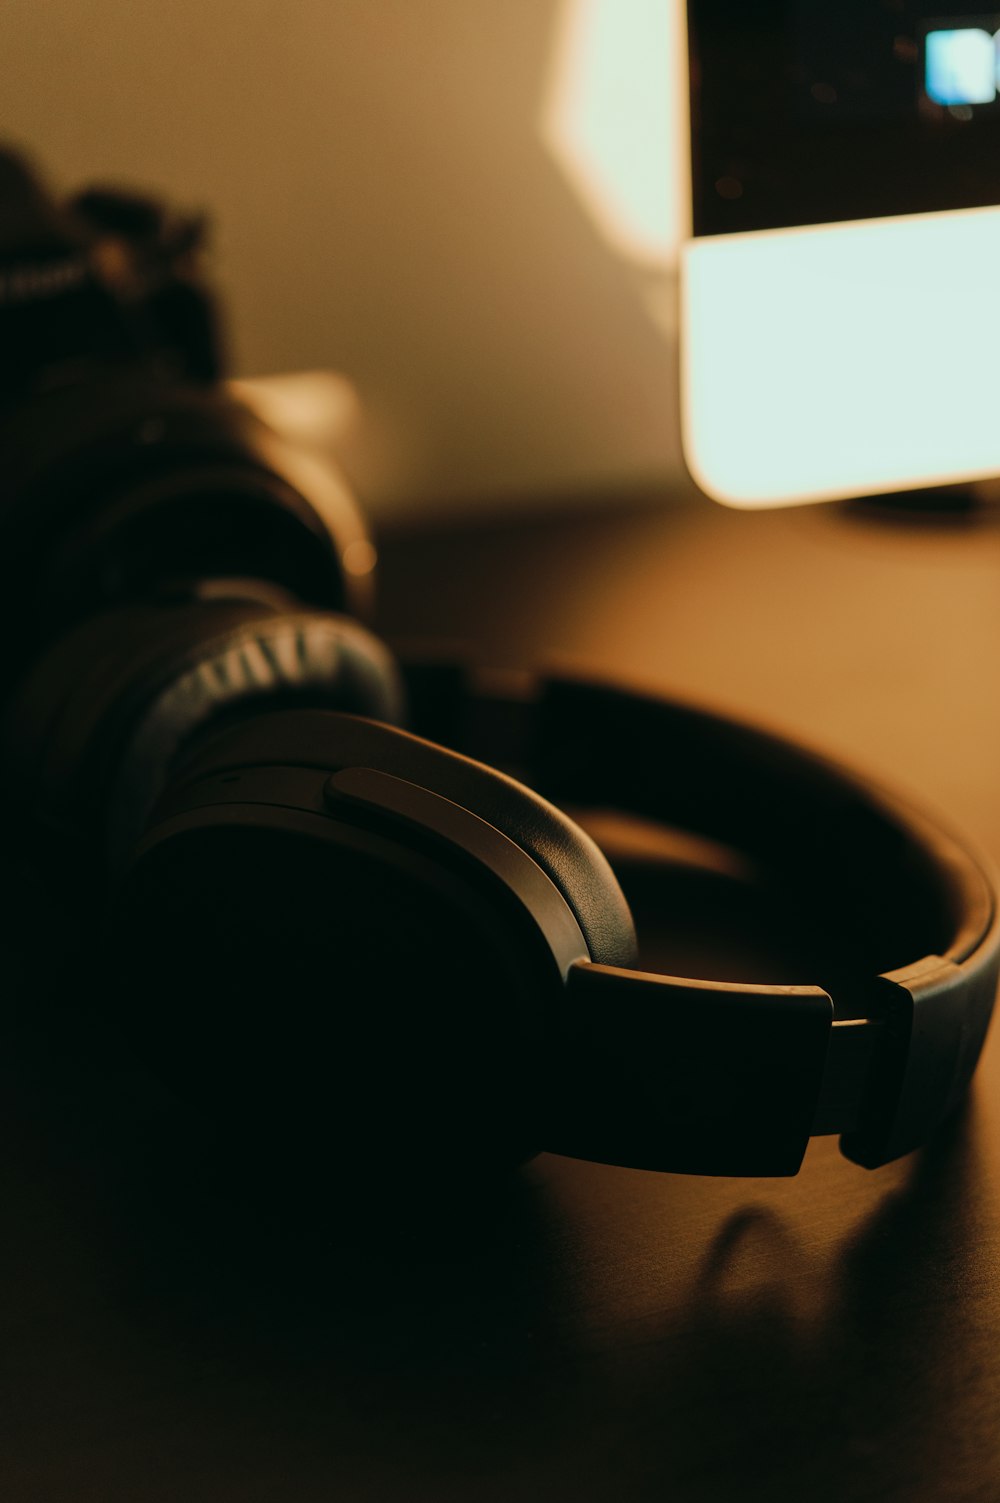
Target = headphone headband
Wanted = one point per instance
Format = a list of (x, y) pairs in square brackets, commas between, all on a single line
[(707, 1077)]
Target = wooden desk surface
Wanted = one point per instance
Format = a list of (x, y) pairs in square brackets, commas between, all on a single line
[(575, 1332)]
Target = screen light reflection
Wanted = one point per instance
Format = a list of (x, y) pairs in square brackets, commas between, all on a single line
[(961, 66), (842, 360)]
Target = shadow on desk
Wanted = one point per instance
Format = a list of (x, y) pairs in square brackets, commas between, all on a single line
[(781, 1379), (172, 1328)]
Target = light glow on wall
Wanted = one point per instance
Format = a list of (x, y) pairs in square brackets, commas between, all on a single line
[(842, 360), (615, 120)]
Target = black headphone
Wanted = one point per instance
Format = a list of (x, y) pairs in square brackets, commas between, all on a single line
[(519, 944), (368, 941)]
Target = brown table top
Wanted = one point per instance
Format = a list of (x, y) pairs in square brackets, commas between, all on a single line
[(575, 1331)]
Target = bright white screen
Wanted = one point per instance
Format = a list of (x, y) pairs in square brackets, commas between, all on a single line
[(841, 360)]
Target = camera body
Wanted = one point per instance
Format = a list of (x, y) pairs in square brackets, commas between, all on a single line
[(145, 511), (174, 567)]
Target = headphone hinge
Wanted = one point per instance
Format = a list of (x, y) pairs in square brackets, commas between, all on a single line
[(691, 1077), (936, 1016)]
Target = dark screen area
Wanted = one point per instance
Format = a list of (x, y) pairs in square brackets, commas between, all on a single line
[(811, 113)]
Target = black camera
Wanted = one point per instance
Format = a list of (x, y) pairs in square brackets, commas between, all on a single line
[(174, 567), (170, 559)]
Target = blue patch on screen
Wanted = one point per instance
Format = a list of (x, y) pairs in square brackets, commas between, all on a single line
[(962, 65)]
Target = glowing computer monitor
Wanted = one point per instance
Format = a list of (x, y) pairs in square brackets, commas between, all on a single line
[(840, 295)]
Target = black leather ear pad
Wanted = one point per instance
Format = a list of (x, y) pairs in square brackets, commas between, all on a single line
[(119, 696), (333, 741)]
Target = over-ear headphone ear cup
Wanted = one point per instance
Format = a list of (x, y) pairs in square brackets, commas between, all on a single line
[(100, 719), (308, 658), (332, 1003), (341, 983)]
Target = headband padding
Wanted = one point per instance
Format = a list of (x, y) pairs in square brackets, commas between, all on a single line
[(333, 741)]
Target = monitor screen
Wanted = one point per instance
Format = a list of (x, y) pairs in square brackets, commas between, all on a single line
[(837, 296), (813, 112)]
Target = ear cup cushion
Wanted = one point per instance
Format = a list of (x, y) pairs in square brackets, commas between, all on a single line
[(324, 739), (122, 694)]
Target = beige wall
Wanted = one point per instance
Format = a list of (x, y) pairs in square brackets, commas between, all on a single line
[(384, 205)]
